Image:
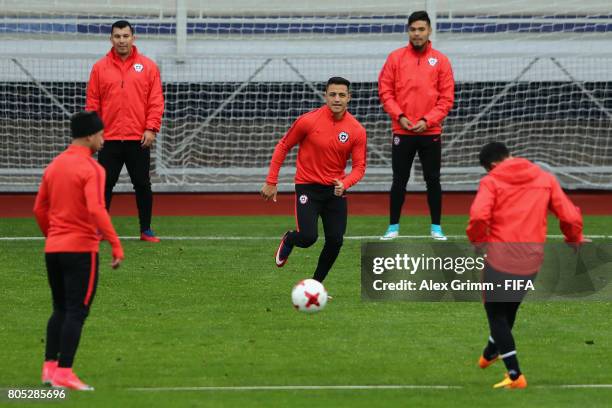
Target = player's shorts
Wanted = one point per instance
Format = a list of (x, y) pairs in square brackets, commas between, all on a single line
[(315, 200), (73, 278)]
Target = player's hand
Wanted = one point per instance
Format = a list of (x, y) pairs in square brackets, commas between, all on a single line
[(405, 123), (420, 126), (147, 138), (269, 191), (117, 256), (576, 245), (338, 188), (116, 262)]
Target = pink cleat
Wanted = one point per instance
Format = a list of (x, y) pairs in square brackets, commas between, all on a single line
[(66, 378), (148, 236), (48, 370)]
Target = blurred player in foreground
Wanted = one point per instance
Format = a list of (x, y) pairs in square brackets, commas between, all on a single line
[(509, 215), (71, 214), (327, 138)]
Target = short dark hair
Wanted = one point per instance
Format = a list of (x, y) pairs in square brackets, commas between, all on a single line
[(85, 123), (122, 24), (491, 153), (420, 15), (338, 81)]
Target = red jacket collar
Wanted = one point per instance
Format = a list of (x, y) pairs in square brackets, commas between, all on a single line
[(80, 150), (330, 114), (113, 55)]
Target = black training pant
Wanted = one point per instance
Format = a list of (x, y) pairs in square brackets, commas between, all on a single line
[(73, 278), (502, 305), (137, 160), (429, 149), (312, 201), (501, 317)]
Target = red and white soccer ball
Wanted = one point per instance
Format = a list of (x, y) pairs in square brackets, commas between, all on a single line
[(309, 296)]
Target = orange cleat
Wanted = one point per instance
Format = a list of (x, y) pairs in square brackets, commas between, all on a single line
[(520, 382), (48, 370), (66, 378), (148, 236), (484, 363)]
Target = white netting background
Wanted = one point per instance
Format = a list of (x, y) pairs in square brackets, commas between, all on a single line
[(533, 74)]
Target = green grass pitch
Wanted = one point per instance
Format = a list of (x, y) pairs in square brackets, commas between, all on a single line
[(199, 313)]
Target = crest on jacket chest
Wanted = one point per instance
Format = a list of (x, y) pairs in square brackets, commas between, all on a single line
[(343, 137)]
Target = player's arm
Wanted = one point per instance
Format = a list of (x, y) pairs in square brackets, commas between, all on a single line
[(92, 102), (386, 92), (155, 109), (41, 207), (359, 158), (446, 98), (570, 217), (94, 197), (481, 212), (294, 135)]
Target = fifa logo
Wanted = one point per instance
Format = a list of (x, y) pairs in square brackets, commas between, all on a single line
[(521, 284)]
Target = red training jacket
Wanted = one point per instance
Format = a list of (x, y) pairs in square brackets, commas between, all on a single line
[(419, 85), (325, 145), (69, 206), (511, 207), (127, 95)]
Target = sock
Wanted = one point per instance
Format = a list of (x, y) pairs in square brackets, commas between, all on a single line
[(490, 351), (512, 365)]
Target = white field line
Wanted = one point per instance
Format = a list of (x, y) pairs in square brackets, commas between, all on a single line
[(298, 387), (276, 238), (576, 386), (341, 387)]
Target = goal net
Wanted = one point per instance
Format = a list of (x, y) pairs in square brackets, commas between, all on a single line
[(532, 74)]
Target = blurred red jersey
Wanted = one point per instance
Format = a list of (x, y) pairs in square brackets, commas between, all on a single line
[(70, 207)]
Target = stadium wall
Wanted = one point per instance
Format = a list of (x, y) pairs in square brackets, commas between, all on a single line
[(264, 7), (376, 204)]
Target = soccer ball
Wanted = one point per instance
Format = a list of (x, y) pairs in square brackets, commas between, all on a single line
[(309, 296)]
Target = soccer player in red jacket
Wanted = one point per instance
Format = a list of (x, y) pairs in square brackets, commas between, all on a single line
[(71, 214), (327, 138), (509, 215), (417, 89), (125, 89)]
